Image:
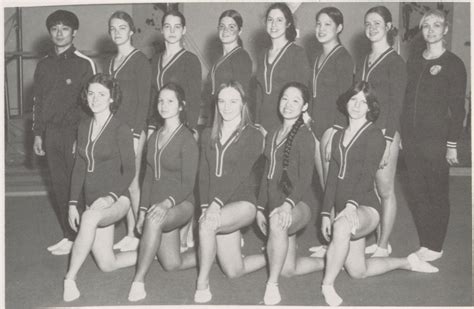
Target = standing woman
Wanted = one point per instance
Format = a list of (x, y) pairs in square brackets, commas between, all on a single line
[(167, 199), (132, 70), (332, 75), (385, 70), (103, 170), (234, 64), (286, 181), (229, 151), (350, 191), (176, 64), (283, 62), (432, 122)]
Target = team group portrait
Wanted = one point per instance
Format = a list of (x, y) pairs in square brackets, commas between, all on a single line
[(238, 153)]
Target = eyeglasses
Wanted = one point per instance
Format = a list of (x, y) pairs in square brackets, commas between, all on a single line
[(231, 27)]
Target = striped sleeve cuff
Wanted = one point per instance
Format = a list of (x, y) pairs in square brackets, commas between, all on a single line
[(388, 138), (352, 202), (136, 135), (260, 208), (451, 144), (326, 214), (218, 201), (143, 208), (172, 200), (72, 203), (113, 196), (337, 127), (291, 202), (151, 127), (204, 206)]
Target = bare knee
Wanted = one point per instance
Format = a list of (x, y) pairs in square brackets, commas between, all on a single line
[(90, 218), (106, 266), (341, 230), (205, 228), (288, 273), (232, 273), (152, 225), (171, 265), (356, 273), (275, 227)]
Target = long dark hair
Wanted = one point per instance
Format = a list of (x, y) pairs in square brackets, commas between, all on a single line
[(285, 183), (238, 20), (290, 32), (370, 98), (180, 96)]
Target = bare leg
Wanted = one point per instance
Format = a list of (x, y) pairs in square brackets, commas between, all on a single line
[(319, 161), (325, 139), (385, 183)]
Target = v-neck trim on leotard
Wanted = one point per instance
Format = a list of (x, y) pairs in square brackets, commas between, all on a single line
[(269, 79), (159, 150), (368, 69), (162, 69), (90, 157), (218, 63), (273, 151), (111, 65), (222, 148), (344, 150), (317, 71)]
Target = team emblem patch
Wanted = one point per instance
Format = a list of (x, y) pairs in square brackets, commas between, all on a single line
[(434, 70), (68, 81)]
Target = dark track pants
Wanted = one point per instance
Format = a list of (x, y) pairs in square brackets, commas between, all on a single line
[(428, 174), (58, 145)]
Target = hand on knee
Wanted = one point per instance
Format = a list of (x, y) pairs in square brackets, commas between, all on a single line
[(276, 225)]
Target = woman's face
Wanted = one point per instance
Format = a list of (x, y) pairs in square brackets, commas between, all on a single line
[(433, 29), (229, 104), (173, 29), (357, 106), (228, 30), (276, 24), (168, 104), (375, 27), (326, 29), (120, 31), (292, 104), (98, 98)]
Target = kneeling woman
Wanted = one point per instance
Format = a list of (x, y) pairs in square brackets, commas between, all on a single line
[(286, 181), (104, 169), (167, 192), (350, 189), (228, 153)]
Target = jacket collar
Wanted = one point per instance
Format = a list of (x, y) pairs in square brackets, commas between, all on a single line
[(64, 55)]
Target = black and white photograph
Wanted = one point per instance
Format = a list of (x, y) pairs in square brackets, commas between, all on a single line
[(203, 154)]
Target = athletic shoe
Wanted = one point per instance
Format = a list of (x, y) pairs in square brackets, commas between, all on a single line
[(272, 294), (418, 265), (318, 251), (428, 255), (203, 296), (65, 249), (57, 245), (71, 291), (330, 295), (131, 245), (137, 291)]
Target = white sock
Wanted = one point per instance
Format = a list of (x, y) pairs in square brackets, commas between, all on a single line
[(137, 291), (71, 291), (420, 266), (330, 295), (272, 294)]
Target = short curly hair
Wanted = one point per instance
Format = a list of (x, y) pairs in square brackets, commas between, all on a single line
[(370, 97), (108, 82)]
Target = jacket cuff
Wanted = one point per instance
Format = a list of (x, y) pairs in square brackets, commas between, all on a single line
[(352, 202), (218, 201), (113, 196), (72, 203), (172, 200), (291, 202)]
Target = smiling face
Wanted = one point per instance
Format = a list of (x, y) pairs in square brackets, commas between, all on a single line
[(434, 29), (292, 104), (357, 107), (120, 31), (168, 104), (62, 35), (173, 29), (375, 27), (326, 29), (228, 30), (230, 104), (276, 24), (98, 98)]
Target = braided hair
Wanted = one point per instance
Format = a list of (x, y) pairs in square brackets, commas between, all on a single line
[(285, 183)]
